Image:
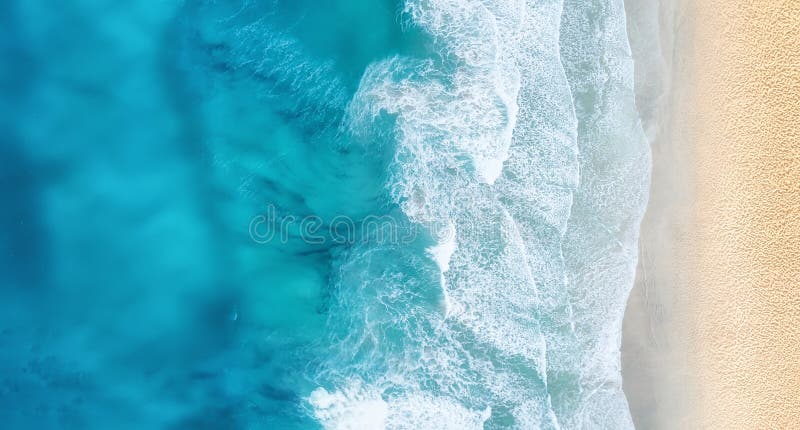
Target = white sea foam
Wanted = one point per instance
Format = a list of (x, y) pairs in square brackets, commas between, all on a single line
[(444, 249), (537, 270), (455, 120), (349, 409), (357, 407), (441, 253), (600, 242)]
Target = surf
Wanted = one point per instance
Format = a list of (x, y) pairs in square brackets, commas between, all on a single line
[(493, 137)]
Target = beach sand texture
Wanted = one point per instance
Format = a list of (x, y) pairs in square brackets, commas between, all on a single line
[(712, 330), (747, 279)]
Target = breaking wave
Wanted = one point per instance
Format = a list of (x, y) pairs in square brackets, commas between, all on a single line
[(517, 147)]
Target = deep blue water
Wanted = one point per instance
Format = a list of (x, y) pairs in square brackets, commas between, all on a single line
[(341, 214)]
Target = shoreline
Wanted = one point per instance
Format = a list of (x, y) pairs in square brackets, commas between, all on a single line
[(655, 324), (711, 335)]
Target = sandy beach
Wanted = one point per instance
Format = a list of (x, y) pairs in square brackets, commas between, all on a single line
[(711, 336)]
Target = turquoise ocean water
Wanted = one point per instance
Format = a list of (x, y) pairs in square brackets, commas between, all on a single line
[(316, 214)]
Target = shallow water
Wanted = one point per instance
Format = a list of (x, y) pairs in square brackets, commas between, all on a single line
[(294, 215)]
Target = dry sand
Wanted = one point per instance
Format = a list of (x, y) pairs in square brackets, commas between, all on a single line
[(711, 336)]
